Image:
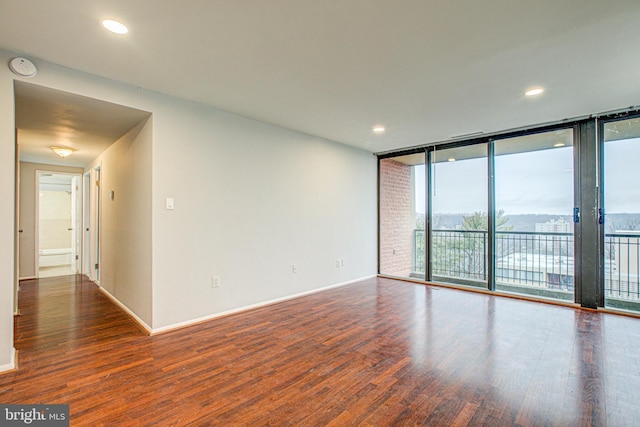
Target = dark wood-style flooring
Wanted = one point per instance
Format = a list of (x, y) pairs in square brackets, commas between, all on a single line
[(379, 352)]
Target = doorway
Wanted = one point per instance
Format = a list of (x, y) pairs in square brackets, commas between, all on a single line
[(534, 224), (620, 213), (58, 223)]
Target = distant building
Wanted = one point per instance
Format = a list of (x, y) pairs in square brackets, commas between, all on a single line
[(554, 226), (535, 269)]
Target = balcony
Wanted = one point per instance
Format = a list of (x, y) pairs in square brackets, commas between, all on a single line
[(540, 264)]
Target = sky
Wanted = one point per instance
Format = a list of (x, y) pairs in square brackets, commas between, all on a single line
[(539, 182), (622, 176)]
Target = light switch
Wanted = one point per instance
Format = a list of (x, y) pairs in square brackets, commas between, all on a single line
[(169, 203)]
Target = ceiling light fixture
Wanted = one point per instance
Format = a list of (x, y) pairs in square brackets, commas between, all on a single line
[(378, 129), (451, 159), (559, 144), (534, 91), (115, 26), (62, 151)]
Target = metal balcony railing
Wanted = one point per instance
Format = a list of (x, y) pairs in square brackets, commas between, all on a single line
[(529, 259), (458, 253), (621, 261)]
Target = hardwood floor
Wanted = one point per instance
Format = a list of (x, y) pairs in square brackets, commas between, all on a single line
[(379, 352)]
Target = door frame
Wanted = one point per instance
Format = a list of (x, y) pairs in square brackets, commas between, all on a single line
[(96, 185), (38, 173), (86, 223), (18, 229)]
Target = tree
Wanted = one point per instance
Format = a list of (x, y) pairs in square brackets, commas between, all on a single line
[(464, 254), (479, 221)]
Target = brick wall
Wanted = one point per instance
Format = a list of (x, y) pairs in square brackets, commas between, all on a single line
[(397, 218)]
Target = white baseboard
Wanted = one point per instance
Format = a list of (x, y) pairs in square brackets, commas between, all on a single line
[(11, 365), (27, 278), (252, 306), (126, 309)]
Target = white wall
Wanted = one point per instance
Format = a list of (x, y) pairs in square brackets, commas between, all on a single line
[(125, 244), (28, 210), (251, 199), (7, 214)]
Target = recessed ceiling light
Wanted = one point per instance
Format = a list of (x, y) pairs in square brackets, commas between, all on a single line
[(378, 129), (115, 26), (559, 144), (451, 159), (534, 91)]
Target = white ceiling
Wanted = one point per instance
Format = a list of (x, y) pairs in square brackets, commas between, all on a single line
[(428, 70), (47, 117)]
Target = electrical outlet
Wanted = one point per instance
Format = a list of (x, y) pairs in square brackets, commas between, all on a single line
[(215, 282), (294, 268)]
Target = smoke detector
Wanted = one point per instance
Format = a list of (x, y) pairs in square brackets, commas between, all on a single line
[(23, 67)]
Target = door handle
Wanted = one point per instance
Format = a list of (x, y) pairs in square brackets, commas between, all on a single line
[(20, 231), (576, 215), (70, 229), (600, 216)]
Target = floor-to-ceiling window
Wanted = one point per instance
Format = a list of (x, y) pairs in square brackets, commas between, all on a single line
[(534, 203), (621, 182), (552, 212), (459, 245)]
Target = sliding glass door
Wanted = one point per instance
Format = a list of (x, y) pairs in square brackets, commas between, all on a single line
[(534, 201), (621, 184)]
